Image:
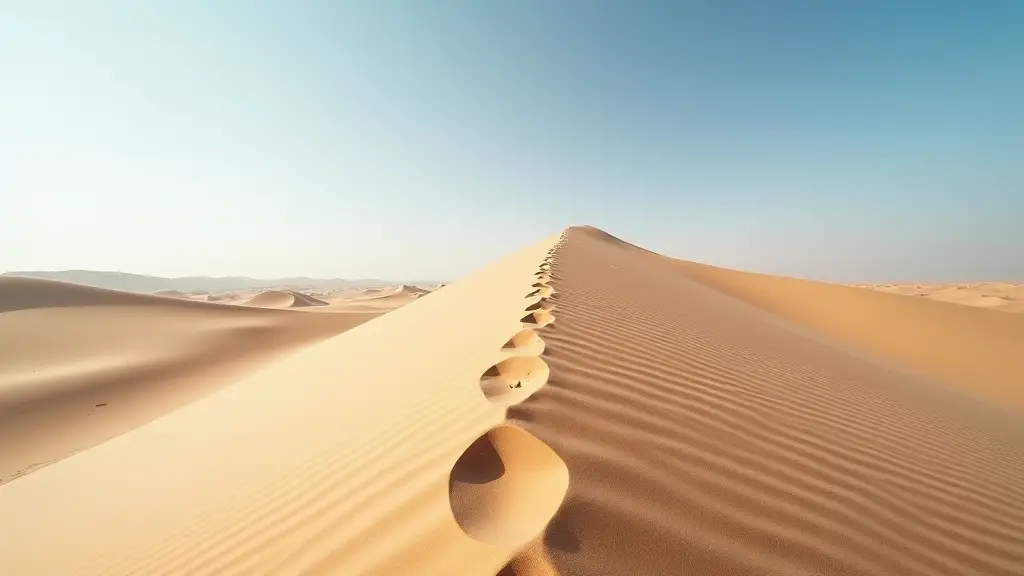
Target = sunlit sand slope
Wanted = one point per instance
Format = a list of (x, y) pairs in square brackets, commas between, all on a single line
[(79, 365), (704, 435), (283, 299), (974, 349), (581, 407), (376, 452)]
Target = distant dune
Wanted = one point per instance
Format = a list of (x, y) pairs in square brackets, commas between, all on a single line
[(283, 299), (1002, 296), (402, 291), (581, 407), (195, 284), (171, 293), (80, 365), (973, 348), (412, 291)]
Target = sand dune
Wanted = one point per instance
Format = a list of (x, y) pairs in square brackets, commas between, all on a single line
[(302, 466), (222, 297), (581, 407), (283, 299), (171, 293), (977, 350), (1002, 296), (705, 436), (80, 365), (372, 299), (400, 291), (30, 293)]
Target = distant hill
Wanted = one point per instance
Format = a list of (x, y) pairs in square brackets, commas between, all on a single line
[(141, 283)]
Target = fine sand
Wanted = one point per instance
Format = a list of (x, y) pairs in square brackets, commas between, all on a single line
[(80, 365), (581, 407), (1002, 296)]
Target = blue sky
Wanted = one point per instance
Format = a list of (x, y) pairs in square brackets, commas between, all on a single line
[(848, 140)]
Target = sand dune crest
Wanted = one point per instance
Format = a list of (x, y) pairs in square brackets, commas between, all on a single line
[(283, 299), (718, 439), (676, 420), (17, 293), (538, 319), (541, 304), (523, 481), (543, 291), (335, 459)]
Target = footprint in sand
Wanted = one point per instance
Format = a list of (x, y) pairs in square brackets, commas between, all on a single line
[(514, 379), (538, 319), (506, 486), (542, 290), (525, 343), (541, 304)]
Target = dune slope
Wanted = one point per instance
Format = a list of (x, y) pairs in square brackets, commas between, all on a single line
[(375, 451), (581, 407), (705, 436), (80, 365), (974, 349)]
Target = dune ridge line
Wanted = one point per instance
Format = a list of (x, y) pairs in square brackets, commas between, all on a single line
[(607, 410), (718, 437), (507, 485), (293, 468)]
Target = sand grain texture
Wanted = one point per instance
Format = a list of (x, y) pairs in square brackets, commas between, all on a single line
[(704, 435), (975, 349)]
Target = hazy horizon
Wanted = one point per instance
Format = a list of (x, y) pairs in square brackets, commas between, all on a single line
[(855, 142), (212, 276)]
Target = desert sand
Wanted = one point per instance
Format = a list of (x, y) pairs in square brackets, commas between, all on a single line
[(581, 407), (1002, 296), (80, 365), (283, 299)]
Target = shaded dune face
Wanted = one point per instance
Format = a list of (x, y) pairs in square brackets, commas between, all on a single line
[(505, 487), (706, 436)]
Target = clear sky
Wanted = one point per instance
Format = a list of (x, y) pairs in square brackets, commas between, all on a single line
[(866, 140)]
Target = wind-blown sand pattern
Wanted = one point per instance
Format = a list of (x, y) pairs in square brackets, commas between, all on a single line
[(704, 435), (581, 407), (973, 348)]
